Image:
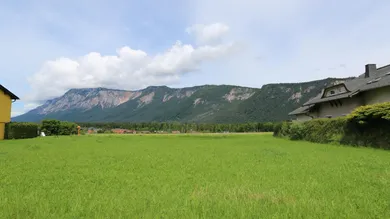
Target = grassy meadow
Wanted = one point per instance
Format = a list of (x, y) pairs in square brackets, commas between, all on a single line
[(190, 176)]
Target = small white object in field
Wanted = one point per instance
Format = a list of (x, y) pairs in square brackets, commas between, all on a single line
[(43, 134)]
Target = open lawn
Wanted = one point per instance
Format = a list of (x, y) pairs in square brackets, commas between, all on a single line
[(190, 176)]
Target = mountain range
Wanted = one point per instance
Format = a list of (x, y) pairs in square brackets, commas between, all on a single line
[(205, 104)]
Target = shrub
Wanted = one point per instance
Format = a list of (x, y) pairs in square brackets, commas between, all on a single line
[(324, 130), (317, 130), (366, 126), (369, 113), (21, 130), (55, 127), (277, 129), (50, 127), (369, 126), (297, 131), (285, 129), (67, 128)]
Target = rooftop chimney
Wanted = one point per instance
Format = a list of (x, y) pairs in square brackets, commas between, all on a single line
[(370, 70)]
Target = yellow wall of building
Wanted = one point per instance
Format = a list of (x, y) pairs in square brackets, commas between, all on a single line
[(2, 126), (5, 107), (5, 112)]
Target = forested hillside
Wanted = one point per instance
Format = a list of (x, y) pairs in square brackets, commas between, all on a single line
[(200, 104)]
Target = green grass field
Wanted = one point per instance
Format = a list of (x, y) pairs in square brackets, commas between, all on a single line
[(190, 176)]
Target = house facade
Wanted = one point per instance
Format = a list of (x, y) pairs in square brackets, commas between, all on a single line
[(373, 86), (6, 99)]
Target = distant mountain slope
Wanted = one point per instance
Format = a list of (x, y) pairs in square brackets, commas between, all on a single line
[(208, 103)]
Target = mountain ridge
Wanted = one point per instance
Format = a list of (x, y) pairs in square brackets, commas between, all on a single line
[(203, 103)]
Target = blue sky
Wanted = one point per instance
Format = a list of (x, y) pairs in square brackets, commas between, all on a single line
[(49, 47)]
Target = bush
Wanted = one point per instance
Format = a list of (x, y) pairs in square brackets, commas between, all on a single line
[(370, 113), (277, 129), (67, 128), (50, 127), (282, 129), (55, 127), (324, 130), (366, 126), (369, 126), (297, 131), (21, 130)]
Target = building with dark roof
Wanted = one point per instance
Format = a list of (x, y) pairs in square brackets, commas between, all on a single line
[(6, 99), (373, 86)]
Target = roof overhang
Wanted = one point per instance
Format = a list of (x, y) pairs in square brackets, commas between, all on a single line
[(327, 99), (301, 110), (9, 93)]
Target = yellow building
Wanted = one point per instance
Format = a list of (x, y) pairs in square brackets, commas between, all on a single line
[(6, 99)]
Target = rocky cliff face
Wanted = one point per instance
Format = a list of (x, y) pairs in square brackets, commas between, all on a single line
[(208, 103), (85, 99)]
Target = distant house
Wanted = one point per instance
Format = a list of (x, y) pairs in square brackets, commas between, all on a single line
[(373, 86), (118, 131), (92, 130), (6, 99), (123, 131)]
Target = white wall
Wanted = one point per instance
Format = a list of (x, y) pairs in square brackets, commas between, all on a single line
[(377, 96), (338, 89), (348, 105), (302, 118)]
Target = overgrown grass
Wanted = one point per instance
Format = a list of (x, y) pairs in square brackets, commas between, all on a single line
[(199, 176)]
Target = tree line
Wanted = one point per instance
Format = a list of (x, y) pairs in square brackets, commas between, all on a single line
[(183, 127)]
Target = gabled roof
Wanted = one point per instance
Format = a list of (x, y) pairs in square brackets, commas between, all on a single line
[(378, 78), (301, 110), (326, 99), (381, 78), (9, 93)]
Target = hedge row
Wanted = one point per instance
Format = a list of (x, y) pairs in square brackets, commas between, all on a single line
[(366, 126), (21, 130), (56, 127)]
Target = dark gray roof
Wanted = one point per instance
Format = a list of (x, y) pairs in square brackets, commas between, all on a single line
[(381, 78), (354, 84), (381, 81), (9, 93), (301, 110), (326, 99), (359, 84)]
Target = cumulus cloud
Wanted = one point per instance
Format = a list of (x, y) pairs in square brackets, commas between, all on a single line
[(206, 34), (128, 69)]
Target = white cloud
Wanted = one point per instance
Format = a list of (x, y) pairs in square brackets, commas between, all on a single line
[(128, 69), (297, 37), (206, 34)]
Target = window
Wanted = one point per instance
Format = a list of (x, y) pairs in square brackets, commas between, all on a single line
[(332, 92)]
